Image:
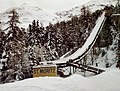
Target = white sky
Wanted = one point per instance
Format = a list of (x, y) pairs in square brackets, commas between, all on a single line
[(49, 5)]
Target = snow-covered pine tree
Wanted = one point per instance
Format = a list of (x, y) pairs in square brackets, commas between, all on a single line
[(37, 44), (53, 40), (14, 46)]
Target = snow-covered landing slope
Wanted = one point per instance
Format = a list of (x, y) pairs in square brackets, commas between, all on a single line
[(91, 39), (89, 42), (107, 81)]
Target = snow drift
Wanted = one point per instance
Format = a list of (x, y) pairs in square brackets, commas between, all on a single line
[(108, 81)]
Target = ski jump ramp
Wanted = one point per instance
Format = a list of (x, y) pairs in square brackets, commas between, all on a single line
[(81, 52)]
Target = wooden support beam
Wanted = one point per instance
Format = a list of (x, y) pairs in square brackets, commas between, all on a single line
[(115, 14)]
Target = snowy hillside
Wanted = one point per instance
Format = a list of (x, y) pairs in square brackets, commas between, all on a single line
[(108, 81), (29, 13), (92, 4)]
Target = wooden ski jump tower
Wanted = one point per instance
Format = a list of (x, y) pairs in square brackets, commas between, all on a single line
[(71, 66)]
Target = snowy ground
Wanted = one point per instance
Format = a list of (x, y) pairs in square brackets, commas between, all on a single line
[(107, 81)]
